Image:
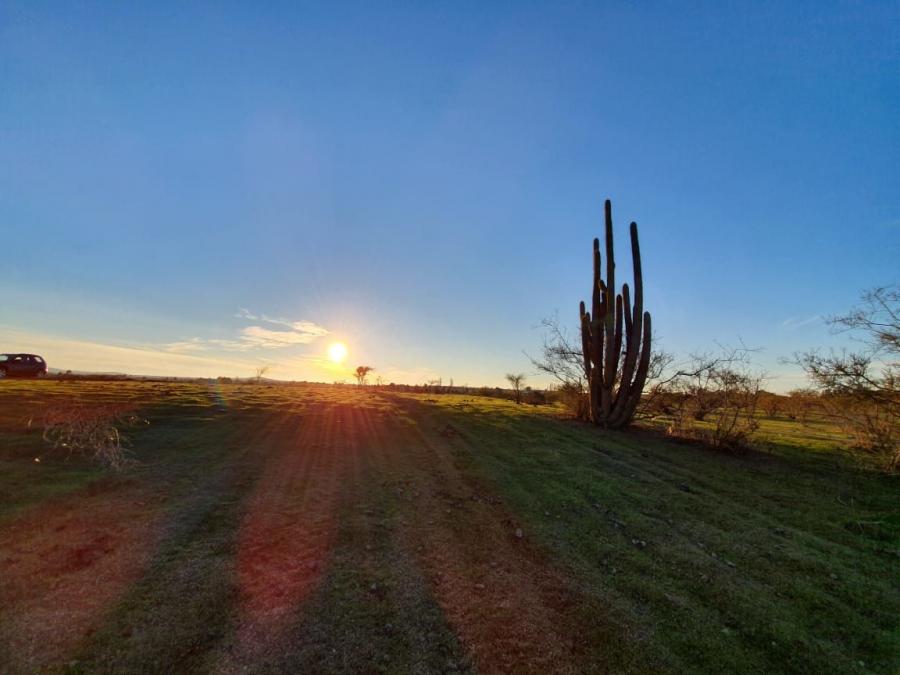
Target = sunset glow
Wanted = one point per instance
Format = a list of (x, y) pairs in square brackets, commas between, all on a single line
[(337, 352)]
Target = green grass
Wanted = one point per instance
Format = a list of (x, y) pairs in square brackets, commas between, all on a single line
[(714, 563), (674, 558)]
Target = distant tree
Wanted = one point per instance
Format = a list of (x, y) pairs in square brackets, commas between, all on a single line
[(771, 403), (516, 380), (800, 403), (863, 387), (877, 322), (361, 373), (261, 372)]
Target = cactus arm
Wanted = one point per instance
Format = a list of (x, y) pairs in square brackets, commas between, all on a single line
[(609, 367), (597, 286), (640, 378), (617, 341), (626, 313), (633, 345), (586, 341)]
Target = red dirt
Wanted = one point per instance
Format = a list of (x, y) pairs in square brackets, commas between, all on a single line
[(65, 565), (288, 530)]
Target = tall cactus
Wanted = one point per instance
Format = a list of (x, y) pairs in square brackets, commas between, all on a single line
[(614, 392)]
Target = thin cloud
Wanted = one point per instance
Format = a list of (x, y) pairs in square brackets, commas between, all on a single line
[(254, 337), (184, 346), (303, 333), (299, 326), (243, 313), (795, 322)]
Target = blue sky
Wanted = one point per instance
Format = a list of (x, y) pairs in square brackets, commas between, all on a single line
[(198, 190)]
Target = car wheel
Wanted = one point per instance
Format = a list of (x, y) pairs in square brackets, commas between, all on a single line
[(2, 373)]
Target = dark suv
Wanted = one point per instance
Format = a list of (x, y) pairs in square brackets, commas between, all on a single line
[(22, 365)]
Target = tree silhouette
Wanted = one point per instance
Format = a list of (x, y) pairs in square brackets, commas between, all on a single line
[(361, 373), (516, 380)]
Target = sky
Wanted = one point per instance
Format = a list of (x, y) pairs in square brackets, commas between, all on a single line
[(203, 188)]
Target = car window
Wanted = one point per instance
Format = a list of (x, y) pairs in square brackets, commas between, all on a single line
[(4, 357), (38, 359)]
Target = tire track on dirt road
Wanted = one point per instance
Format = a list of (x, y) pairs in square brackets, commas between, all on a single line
[(374, 611), (510, 608), (287, 532), (179, 607)]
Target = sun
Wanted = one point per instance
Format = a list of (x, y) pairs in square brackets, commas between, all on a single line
[(337, 352)]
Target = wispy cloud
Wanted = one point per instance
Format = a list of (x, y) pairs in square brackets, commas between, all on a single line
[(184, 346), (302, 332), (255, 336), (800, 321), (302, 326)]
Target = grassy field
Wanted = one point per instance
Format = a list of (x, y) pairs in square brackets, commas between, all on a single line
[(323, 529)]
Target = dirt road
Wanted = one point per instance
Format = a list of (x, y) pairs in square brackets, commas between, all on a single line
[(351, 540)]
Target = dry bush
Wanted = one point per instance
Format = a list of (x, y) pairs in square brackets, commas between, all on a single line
[(800, 403), (734, 418), (563, 360), (534, 396), (874, 428), (711, 398), (91, 430), (574, 398), (861, 390), (770, 403)]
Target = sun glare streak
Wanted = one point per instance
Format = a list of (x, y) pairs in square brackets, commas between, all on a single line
[(337, 352)]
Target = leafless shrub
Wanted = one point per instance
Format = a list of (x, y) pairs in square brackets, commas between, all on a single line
[(573, 398), (800, 403), (873, 428), (261, 372), (861, 390), (770, 403), (562, 359), (91, 431), (534, 396), (734, 418), (712, 398)]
